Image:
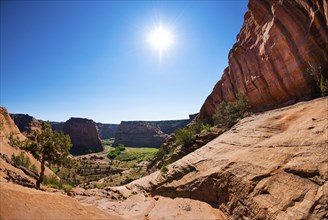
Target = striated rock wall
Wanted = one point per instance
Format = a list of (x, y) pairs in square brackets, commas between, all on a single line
[(146, 133), (84, 135), (269, 61), (26, 123), (107, 131)]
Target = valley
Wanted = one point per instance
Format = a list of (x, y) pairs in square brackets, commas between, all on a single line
[(257, 149)]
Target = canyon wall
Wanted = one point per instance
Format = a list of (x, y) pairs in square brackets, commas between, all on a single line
[(107, 131), (84, 135), (26, 123), (146, 133), (269, 63)]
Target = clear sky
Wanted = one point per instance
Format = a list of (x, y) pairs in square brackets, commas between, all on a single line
[(93, 59)]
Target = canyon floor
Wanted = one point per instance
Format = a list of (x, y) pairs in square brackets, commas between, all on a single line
[(272, 165)]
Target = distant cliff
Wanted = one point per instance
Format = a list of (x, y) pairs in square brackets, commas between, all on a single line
[(269, 61), (146, 133), (107, 130), (84, 135), (26, 123)]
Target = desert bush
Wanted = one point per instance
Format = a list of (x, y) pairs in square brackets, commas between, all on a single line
[(321, 81), (67, 187), (21, 160), (52, 181), (228, 113), (114, 153), (126, 180), (121, 147), (117, 151), (185, 136)]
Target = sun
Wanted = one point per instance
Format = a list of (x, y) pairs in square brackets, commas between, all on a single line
[(160, 38)]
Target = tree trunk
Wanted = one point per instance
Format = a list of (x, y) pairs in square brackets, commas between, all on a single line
[(39, 181)]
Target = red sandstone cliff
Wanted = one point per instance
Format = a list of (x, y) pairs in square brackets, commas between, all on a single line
[(84, 135), (269, 61)]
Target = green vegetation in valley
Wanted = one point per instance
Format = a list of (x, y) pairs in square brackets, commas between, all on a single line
[(117, 151), (107, 142)]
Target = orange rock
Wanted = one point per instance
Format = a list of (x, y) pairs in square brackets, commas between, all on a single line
[(268, 63)]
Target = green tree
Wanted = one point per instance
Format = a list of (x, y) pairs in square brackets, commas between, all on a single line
[(51, 147), (228, 113)]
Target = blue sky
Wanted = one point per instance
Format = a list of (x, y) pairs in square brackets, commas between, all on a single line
[(91, 59)]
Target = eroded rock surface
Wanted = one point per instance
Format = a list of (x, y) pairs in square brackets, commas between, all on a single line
[(84, 135), (26, 123), (271, 165), (269, 61)]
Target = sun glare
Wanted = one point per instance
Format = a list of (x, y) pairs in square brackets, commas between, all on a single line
[(160, 38)]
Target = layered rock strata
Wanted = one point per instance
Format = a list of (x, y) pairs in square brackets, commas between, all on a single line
[(146, 133), (84, 135), (26, 123), (269, 63), (272, 165), (107, 131)]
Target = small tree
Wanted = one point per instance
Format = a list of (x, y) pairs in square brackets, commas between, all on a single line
[(51, 147), (320, 79), (228, 113)]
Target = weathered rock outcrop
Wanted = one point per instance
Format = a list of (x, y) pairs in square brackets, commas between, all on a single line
[(26, 123), (9, 171), (269, 61), (57, 126), (84, 135), (146, 133), (272, 165), (107, 131)]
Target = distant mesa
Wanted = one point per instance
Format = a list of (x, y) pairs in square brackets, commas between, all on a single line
[(147, 133), (84, 135), (83, 132)]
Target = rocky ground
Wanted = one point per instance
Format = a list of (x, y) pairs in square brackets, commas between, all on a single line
[(271, 165), (268, 166)]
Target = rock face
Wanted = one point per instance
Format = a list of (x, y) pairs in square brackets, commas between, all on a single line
[(84, 135), (26, 123), (146, 133), (10, 172), (107, 131), (269, 61), (272, 165), (57, 126)]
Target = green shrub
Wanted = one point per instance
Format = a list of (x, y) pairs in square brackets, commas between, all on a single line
[(321, 81), (185, 136), (113, 154), (21, 160), (52, 181), (126, 181), (121, 147), (67, 187), (227, 114), (34, 168)]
